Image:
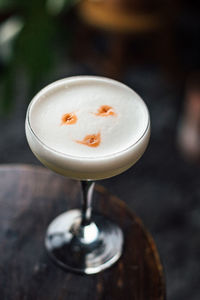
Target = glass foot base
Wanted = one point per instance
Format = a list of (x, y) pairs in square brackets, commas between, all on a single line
[(89, 249)]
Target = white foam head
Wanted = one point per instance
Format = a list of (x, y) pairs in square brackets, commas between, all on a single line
[(84, 96)]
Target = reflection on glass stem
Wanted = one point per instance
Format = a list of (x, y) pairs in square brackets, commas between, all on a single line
[(87, 190)]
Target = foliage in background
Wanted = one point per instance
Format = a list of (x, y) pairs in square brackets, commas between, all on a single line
[(31, 48)]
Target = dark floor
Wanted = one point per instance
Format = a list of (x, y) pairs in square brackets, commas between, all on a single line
[(162, 188)]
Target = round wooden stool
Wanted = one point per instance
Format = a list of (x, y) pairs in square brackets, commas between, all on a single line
[(101, 15), (123, 25), (30, 197)]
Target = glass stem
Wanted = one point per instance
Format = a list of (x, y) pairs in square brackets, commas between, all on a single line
[(87, 191)]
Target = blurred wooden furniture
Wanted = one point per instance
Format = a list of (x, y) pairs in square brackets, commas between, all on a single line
[(118, 16), (125, 19), (30, 197)]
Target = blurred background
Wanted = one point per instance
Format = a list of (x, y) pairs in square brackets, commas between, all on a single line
[(152, 46)]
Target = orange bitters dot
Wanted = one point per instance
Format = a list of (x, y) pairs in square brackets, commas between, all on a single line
[(69, 119), (105, 110), (91, 140)]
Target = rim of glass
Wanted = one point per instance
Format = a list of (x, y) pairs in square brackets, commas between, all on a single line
[(99, 78)]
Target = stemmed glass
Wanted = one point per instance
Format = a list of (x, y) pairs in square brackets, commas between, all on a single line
[(80, 240)]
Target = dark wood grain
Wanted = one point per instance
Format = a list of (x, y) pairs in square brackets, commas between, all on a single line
[(30, 197)]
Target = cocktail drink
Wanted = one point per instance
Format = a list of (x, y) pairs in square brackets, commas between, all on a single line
[(86, 128)]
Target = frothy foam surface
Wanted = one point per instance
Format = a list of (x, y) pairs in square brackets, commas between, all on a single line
[(84, 97)]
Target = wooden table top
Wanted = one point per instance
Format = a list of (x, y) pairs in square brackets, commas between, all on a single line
[(30, 198)]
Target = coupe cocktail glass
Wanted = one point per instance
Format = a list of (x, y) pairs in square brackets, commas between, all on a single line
[(80, 240)]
